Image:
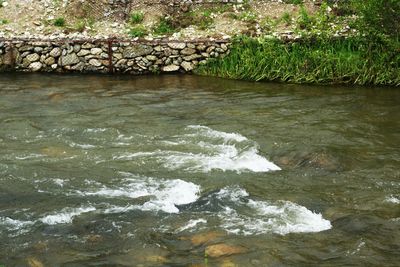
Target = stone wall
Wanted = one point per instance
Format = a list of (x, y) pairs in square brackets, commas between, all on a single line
[(108, 56)]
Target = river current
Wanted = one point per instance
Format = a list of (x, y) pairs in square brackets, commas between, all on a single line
[(161, 170)]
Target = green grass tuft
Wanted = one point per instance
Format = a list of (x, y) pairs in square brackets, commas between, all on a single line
[(138, 31), (136, 17), (164, 26), (59, 22)]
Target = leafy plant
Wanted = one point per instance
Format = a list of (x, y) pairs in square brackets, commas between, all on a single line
[(3, 21), (136, 17), (59, 22), (379, 16)]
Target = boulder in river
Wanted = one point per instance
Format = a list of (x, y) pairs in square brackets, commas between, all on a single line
[(33, 262), (203, 238), (317, 160), (219, 250)]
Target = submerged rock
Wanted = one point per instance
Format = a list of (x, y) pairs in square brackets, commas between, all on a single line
[(94, 238), (33, 262), (318, 160), (203, 238), (228, 263), (40, 246), (53, 151), (219, 250)]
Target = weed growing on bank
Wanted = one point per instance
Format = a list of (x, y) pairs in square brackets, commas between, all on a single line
[(138, 31), (59, 22)]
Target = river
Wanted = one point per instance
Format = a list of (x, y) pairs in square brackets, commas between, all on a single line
[(196, 171)]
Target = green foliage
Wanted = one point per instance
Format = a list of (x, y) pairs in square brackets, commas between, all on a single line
[(286, 18), (1, 3), (138, 31), (246, 16), (3, 21), (305, 21), (379, 16), (82, 24), (203, 20), (294, 2), (59, 22), (136, 17), (164, 26), (347, 61)]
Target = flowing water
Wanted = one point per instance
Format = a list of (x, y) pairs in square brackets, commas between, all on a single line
[(155, 171)]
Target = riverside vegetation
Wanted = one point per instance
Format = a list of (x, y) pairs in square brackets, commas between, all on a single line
[(297, 41), (368, 56)]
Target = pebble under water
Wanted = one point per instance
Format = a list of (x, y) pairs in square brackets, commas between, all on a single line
[(196, 171)]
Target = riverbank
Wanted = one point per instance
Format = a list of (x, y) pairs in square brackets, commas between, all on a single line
[(323, 42)]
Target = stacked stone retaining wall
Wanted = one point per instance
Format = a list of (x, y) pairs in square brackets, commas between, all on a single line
[(108, 56)]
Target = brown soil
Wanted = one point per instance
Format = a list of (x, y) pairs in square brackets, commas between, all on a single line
[(37, 17)]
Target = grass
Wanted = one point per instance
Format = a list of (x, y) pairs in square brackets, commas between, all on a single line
[(59, 22), (294, 2), (3, 21), (82, 24), (286, 18), (136, 17), (164, 26), (338, 61), (203, 20), (138, 31)]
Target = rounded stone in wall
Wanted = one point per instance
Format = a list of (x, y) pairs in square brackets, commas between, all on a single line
[(35, 66), (33, 57)]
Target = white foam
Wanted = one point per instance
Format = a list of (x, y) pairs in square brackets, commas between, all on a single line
[(206, 131), (164, 194), (96, 130), (392, 199), (30, 156), (13, 224), (209, 150), (191, 224), (59, 182), (262, 217), (83, 146), (66, 215)]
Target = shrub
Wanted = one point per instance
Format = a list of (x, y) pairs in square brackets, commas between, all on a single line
[(59, 22), (379, 16)]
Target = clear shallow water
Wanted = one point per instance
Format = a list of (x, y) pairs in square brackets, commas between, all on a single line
[(129, 171)]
